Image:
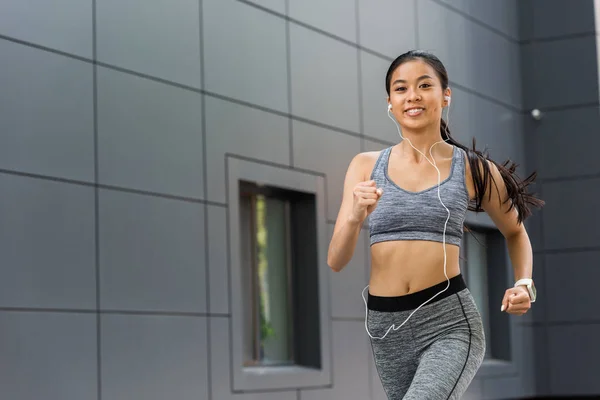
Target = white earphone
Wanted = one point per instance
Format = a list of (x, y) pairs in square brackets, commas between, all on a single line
[(394, 327)]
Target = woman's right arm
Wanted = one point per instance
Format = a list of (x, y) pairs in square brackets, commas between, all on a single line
[(359, 200)]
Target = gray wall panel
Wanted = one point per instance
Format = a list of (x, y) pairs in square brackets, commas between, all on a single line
[(248, 62), (580, 226), (278, 6), (499, 15), (573, 368), (37, 22), (151, 253), (337, 17), (550, 68), (243, 131), (313, 147), (154, 357), (347, 285), (388, 27), (47, 256), (317, 93), (557, 159), (555, 18), (351, 372), (218, 264), (46, 113), (154, 38), (149, 135), (578, 275), (48, 356)]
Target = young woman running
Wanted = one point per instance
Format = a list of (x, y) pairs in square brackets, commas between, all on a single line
[(426, 332)]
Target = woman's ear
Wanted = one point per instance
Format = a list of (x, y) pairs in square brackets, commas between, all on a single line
[(447, 97)]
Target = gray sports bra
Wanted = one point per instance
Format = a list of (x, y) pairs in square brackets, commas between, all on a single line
[(405, 215)]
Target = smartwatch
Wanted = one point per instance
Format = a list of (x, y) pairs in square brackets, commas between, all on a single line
[(528, 283)]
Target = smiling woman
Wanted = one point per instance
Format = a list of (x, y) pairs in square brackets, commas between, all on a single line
[(426, 331)]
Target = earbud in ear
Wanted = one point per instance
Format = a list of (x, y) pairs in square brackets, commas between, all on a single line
[(389, 107), (448, 99)]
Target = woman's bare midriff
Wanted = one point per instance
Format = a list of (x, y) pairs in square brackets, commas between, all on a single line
[(402, 267)]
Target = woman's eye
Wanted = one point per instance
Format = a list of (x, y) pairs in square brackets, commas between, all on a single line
[(426, 85), (398, 89)]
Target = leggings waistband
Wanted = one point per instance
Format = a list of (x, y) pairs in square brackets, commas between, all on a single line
[(413, 300)]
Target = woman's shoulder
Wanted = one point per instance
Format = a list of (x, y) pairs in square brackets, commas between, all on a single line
[(364, 162)]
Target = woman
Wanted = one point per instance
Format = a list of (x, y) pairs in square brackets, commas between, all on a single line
[(426, 333)]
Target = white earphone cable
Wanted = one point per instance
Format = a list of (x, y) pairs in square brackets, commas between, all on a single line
[(433, 163)]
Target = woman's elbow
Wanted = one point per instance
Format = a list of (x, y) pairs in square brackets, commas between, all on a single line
[(335, 265)]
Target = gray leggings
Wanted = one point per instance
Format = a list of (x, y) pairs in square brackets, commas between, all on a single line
[(436, 354)]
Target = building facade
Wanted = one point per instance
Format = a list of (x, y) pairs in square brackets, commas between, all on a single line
[(171, 173)]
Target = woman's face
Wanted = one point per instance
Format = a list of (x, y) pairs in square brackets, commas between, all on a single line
[(416, 95)]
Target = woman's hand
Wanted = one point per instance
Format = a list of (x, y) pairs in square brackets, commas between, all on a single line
[(516, 301), (365, 198)]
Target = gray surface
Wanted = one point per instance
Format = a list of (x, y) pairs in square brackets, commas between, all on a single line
[(499, 15), (581, 283), (580, 227), (151, 37), (150, 246), (346, 287), (317, 93), (248, 62), (337, 17), (46, 113), (36, 22), (549, 66), (351, 375), (566, 378), (154, 357), (46, 247), (554, 18), (218, 265), (243, 131), (558, 128), (313, 146), (388, 26), (149, 135), (565, 333), (56, 351), (273, 5)]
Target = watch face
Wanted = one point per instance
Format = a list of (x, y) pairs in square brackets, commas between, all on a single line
[(532, 291)]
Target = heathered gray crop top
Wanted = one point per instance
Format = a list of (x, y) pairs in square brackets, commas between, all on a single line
[(405, 215)]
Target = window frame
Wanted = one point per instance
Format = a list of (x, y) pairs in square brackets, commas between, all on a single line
[(493, 367), (261, 378)]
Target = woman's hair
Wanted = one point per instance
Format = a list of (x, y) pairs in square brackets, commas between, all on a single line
[(480, 168)]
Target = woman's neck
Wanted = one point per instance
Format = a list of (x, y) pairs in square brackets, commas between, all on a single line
[(427, 143)]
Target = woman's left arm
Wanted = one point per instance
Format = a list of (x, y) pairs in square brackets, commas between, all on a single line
[(516, 299)]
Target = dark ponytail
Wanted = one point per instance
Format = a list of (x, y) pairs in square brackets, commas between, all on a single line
[(516, 188)]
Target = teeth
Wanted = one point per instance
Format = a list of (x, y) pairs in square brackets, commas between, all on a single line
[(414, 111)]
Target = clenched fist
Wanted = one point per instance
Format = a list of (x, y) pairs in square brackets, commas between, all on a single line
[(366, 195), (516, 301)]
